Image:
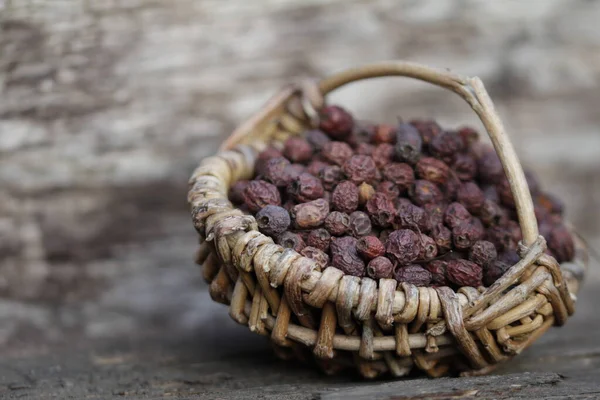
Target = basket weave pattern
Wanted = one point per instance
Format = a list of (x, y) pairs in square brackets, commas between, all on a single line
[(376, 326)]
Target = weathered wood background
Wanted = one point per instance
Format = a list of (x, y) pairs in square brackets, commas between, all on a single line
[(107, 105)]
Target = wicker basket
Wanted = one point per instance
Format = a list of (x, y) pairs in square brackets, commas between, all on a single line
[(380, 326)]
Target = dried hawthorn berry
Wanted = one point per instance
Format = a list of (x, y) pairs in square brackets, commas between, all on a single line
[(317, 139), (561, 243), (510, 257), (341, 244), (365, 191), (311, 214), (500, 236), (429, 249), (305, 187), (483, 253), (330, 176), (337, 223), (380, 268), (277, 171), (414, 274), (445, 146), (388, 188), (505, 193), (442, 237), (456, 214), (468, 136), (319, 238), (435, 212), (492, 214), (464, 273), (365, 149), (423, 192), (345, 197), (408, 143), (489, 167), (467, 233), (427, 128), (273, 220), (336, 122), (437, 269), (316, 166), (360, 169), (470, 196), (494, 272), (349, 263), (550, 203), (236, 192), (413, 217), (464, 166), (381, 210), (384, 234), (360, 224), (432, 169), (450, 189), (297, 150), (290, 240), (383, 154), (403, 245), (259, 194), (369, 247), (318, 256), (337, 152), (400, 174), (384, 133), (490, 193), (515, 230), (264, 156)]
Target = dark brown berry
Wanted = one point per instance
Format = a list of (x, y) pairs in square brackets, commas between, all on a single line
[(465, 167), (337, 223), (450, 189), (492, 214), (317, 139), (468, 136), (380, 268), (442, 237), (429, 249), (391, 190), (305, 187), (470, 196), (437, 269), (369, 247), (384, 133), (445, 146), (455, 215), (330, 176), (319, 238), (501, 237), (337, 152), (561, 243), (401, 174), (490, 193), (384, 235), (408, 143), (273, 220), (383, 154), (349, 263), (365, 149), (311, 214), (381, 210), (403, 245), (264, 156), (427, 129), (290, 240), (336, 122), (343, 244), (515, 230), (317, 255), (345, 197), (259, 194), (414, 274), (423, 192), (435, 212), (489, 167), (360, 224), (494, 271), (409, 216), (316, 166), (464, 273), (360, 169), (510, 257), (277, 171), (432, 169), (505, 193), (550, 203), (365, 192), (236, 192), (297, 150), (483, 253), (467, 233)]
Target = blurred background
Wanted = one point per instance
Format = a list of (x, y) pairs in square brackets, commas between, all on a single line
[(107, 106)]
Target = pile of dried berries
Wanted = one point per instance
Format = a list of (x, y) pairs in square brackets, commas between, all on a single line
[(414, 202)]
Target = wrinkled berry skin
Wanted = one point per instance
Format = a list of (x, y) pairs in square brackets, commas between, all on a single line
[(491, 213), (561, 243), (315, 167), (424, 192), (259, 194), (391, 190), (337, 152), (364, 149), (297, 150), (236, 192), (445, 146), (360, 224), (380, 268), (319, 238), (273, 220), (311, 214), (408, 143), (432, 170), (456, 214), (401, 174), (437, 269), (403, 245), (317, 139), (429, 249), (345, 197), (428, 129), (342, 244), (277, 171), (464, 273), (345, 256), (383, 154), (305, 187), (290, 240), (494, 271), (468, 136), (412, 217), (360, 169), (435, 213), (466, 234), (337, 223), (381, 210), (470, 196), (442, 237), (330, 176), (501, 237), (336, 122), (464, 166), (369, 247), (505, 193), (318, 256), (414, 274), (264, 156), (489, 167), (483, 253)]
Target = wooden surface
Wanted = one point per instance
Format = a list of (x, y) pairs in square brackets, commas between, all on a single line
[(224, 361)]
